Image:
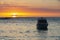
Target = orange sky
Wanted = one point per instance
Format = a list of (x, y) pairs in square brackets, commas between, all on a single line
[(28, 12), (31, 8)]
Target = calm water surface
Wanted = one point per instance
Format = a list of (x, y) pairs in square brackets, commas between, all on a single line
[(25, 29)]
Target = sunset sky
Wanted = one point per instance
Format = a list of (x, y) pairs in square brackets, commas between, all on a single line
[(30, 8)]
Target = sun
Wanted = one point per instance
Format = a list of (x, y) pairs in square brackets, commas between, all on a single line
[(14, 14), (18, 14)]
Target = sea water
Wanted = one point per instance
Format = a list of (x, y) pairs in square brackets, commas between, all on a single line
[(25, 29)]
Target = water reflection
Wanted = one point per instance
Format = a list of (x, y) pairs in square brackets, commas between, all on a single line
[(42, 35), (57, 37)]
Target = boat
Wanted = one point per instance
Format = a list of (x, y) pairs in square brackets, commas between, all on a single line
[(42, 24)]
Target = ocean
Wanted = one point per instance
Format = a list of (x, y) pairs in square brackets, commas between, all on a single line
[(26, 29)]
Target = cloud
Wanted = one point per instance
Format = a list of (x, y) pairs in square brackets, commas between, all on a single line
[(29, 5), (52, 4), (6, 7)]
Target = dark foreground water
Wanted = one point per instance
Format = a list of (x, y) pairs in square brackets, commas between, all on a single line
[(25, 29)]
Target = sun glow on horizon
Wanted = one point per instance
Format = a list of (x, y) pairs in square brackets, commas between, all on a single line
[(13, 14), (18, 14)]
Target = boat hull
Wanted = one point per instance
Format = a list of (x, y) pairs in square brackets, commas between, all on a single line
[(42, 26)]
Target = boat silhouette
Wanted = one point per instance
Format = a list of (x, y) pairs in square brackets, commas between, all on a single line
[(42, 24)]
